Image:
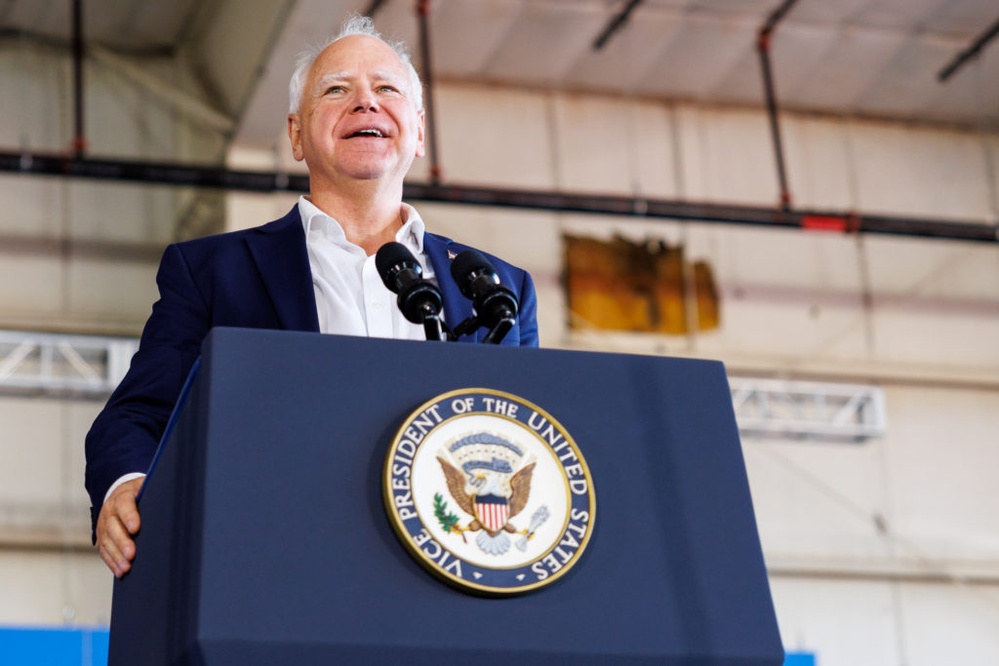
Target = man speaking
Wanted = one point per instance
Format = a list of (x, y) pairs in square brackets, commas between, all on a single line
[(357, 121)]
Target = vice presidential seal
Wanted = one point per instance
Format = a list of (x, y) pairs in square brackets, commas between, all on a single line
[(489, 492)]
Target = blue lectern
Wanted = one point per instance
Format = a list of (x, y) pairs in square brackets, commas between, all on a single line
[(265, 539)]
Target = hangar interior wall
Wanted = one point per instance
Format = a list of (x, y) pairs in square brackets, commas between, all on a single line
[(883, 551)]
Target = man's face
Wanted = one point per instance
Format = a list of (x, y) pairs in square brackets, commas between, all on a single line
[(357, 119)]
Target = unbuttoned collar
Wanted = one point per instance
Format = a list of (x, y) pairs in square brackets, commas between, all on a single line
[(313, 219)]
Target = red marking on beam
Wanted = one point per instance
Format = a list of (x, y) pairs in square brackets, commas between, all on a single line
[(823, 223)]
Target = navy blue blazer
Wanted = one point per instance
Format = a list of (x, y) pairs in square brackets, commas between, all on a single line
[(256, 278)]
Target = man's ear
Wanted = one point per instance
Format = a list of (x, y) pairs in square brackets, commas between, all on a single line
[(295, 136), (421, 148)]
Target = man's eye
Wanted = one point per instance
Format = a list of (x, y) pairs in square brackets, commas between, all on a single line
[(388, 89), (335, 89)]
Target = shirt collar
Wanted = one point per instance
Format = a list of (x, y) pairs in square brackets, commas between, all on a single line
[(413, 228), (313, 219)]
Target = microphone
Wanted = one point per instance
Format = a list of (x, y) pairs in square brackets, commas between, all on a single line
[(419, 299), (494, 306)]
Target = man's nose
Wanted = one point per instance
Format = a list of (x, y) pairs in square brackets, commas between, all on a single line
[(365, 100)]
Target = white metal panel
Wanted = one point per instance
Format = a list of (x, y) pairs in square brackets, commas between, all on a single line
[(835, 13), (845, 623), (722, 8), (942, 454), (727, 156), (131, 24), (798, 52), (903, 171), (818, 502), (908, 81), (30, 286), (630, 59), (33, 119), (611, 146), (501, 138), (232, 48), (655, 160), (959, 17), (544, 43), (904, 269), (93, 292), (54, 589), (906, 14), (848, 68), (742, 84), (785, 333), (958, 339), (118, 212), (950, 624), (819, 163), (700, 57), (466, 35), (971, 95)]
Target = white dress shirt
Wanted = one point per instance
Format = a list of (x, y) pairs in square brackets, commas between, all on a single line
[(351, 298)]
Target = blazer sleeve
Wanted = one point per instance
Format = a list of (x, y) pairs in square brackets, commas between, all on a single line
[(126, 434), (527, 316)]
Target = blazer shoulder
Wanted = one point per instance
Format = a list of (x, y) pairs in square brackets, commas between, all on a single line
[(454, 248), (289, 225)]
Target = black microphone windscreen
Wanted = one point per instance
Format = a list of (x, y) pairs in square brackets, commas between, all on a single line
[(468, 262), (391, 256)]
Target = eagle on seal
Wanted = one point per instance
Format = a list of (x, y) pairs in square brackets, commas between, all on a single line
[(492, 498)]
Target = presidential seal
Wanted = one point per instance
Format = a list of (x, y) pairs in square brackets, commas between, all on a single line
[(489, 492)]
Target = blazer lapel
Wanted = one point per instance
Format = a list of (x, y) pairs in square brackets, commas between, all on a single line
[(278, 249)]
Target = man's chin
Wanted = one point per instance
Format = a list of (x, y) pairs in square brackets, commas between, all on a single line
[(375, 171)]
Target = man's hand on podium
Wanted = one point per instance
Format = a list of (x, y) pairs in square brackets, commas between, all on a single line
[(117, 523)]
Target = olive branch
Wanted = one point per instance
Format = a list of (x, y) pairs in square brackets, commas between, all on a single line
[(448, 521)]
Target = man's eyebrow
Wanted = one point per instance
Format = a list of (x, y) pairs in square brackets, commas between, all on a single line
[(332, 77), (378, 75), (386, 75)]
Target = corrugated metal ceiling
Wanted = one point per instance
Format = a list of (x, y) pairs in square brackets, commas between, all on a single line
[(876, 58)]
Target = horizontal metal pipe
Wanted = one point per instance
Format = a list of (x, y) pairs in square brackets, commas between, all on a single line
[(558, 202)]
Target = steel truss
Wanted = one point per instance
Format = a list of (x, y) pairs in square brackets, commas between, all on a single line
[(89, 367), (808, 410), (60, 366)]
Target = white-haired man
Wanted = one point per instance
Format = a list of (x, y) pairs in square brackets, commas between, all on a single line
[(357, 120)]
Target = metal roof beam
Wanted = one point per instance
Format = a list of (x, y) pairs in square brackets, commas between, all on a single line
[(559, 202)]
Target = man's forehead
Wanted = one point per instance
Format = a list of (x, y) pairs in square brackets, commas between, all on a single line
[(358, 47), (348, 56)]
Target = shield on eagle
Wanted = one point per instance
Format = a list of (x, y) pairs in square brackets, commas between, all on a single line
[(492, 511)]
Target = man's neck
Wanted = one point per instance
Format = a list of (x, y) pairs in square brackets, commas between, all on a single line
[(368, 218)]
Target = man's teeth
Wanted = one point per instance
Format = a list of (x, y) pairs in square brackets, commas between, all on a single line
[(368, 132)]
